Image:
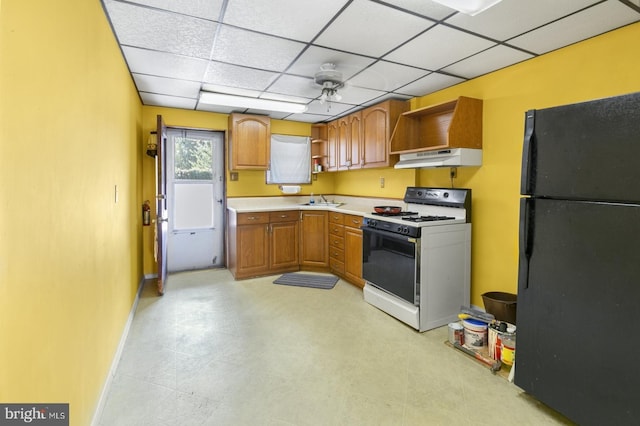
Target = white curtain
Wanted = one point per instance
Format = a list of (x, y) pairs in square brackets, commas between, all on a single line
[(290, 159)]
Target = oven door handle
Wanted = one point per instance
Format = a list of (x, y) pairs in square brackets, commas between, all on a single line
[(389, 234)]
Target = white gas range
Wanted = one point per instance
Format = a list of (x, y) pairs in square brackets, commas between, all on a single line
[(417, 263)]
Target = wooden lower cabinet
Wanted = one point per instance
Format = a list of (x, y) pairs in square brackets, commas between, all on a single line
[(267, 243), (353, 250), (336, 243), (345, 247), (284, 241), (314, 240), (259, 246)]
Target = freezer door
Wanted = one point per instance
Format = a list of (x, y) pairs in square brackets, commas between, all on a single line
[(585, 151), (578, 316)]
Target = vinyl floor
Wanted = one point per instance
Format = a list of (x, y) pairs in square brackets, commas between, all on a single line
[(214, 351)]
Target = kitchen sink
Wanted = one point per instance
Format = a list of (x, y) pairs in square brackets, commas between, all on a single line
[(322, 204)]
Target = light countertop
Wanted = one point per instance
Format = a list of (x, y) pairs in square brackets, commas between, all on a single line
[(361, 206)]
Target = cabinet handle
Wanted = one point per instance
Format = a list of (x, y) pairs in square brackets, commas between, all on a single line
[(284, 215), (251, 218)]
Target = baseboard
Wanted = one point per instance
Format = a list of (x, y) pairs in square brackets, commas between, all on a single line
[(116, 358)]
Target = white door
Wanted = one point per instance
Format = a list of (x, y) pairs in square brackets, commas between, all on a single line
[(195, 178)]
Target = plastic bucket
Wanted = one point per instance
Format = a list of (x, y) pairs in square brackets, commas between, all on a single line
[(501, 305), (475, 333)]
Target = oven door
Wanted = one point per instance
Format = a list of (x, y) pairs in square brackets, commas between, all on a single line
[(389, 262)]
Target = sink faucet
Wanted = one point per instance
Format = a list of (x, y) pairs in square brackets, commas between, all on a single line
[(324, 199)]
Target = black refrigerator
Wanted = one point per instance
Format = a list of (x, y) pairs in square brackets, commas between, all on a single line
[(578, 316)]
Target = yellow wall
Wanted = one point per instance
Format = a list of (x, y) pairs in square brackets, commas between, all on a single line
[(604, 66), (70, 259)]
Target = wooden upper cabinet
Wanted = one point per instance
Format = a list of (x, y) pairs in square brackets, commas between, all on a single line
[(378, 122), (249, 142), (332, 146), (355, 140), (453, 124), (344, 153)]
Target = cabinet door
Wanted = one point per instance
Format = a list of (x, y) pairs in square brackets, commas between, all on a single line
[(249, 142), (332, 146), (353, 256), (377, 124), (314, 239), (284, 246), (252, 245), (375, 130), (344, 149), (355, 140)]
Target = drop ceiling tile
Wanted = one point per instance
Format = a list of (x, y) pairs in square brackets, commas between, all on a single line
[(308, 64), (358, 95), (439, 47), (163, 31), (167, 101), (508, 19), (429, 84), (590, 22), (166, 86), (352, 29), (241, 47), (387, 76), (240, 77), (208, 9), (489, 60), (296, 86), (428, 9), (164, 64), (294, 19)]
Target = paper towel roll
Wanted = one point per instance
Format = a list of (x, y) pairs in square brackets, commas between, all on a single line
[(290, 189)]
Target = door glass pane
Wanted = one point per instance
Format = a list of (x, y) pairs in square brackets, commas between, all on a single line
[(193, 159), (193, 206)]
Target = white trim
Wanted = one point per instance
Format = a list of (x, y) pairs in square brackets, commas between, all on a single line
[(116, 358)]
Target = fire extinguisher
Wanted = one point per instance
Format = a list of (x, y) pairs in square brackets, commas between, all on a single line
[(146, 213)]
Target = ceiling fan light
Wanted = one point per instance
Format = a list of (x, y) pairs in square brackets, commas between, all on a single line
[(469, 7)]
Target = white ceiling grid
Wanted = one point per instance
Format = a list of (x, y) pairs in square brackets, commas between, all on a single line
[(384, 48)]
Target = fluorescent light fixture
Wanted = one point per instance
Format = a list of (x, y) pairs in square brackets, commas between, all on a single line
[(469, 7), (256, 103)]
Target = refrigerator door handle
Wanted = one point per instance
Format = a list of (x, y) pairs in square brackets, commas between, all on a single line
[(526, 186), (526, 240)]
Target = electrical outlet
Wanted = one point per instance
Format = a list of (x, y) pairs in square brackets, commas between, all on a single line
[(115, 194), (381, 182), (453, 172), (233, 176)]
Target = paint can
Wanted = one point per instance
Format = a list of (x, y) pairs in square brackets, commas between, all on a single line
[(508, 349), (456, 333), (475, 333)]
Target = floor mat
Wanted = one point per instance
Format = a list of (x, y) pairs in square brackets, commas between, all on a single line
[(326, 282)]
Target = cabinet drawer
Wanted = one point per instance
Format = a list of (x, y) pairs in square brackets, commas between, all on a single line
[(336, 241), (284, 216), (336, 218), (336, 266), (253, 218), (335, 229), (352, 221), (335, 253)]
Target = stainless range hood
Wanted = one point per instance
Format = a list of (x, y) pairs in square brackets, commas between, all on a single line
[(454, 157)]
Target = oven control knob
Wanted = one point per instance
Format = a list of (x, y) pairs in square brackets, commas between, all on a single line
[(400, 228), (372, 222), (445, 195), (405, 229)]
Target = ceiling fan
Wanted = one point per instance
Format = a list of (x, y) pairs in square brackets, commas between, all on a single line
[(330, 80)]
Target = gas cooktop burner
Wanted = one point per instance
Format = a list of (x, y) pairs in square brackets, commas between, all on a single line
[(400, 214), (427, 218)]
